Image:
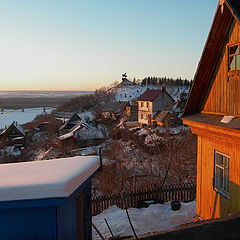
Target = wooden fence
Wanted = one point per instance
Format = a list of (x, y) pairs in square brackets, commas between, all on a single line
[(186, 192)]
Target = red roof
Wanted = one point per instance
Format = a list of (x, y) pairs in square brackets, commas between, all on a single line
[(149, 95)]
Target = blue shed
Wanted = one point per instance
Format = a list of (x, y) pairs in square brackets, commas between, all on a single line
[(48, 199)]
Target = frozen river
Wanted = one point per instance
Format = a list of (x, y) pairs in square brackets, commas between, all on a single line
[(10, 115)]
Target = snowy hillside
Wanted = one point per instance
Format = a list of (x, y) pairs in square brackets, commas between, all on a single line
[(131, 92), (174, 91)]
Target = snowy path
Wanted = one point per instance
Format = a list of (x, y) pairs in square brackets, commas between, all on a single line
[(155, 218)]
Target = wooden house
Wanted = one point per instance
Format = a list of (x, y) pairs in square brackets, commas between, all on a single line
[(48, 199), (14, 135), (69, 124), (166, 119), (213, 113), (112, 109), (83, 135), (151, 102), (134, 111)]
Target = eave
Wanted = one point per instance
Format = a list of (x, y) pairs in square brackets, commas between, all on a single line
[(224, 132), (210, 57)]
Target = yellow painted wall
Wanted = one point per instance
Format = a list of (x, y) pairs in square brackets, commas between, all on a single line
[(145, 111), (211, 204)]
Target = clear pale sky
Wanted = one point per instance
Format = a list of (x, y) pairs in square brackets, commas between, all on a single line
[(86, 44)]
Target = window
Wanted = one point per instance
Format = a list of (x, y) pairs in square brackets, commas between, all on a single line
[(221, 176), (147, 105), (234, 58), (141, 116), (142, 104)]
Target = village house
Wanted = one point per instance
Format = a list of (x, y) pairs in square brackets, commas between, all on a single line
[(84, 135), (166, 119), (112, 109), (213, 113), (14, 135), (151, 102), (69, 124)]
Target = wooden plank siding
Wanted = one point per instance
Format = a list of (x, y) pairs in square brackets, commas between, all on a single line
[(209, 60), (211, 204), (223, 94)]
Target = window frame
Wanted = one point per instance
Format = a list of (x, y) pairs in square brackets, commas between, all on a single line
[(225, 190), (235, 71)]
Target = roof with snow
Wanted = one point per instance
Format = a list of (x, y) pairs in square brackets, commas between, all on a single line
[(45, 179), (70, 133), (75, 119), (16, 126), (159, 116), (126, 82), (149, 95)]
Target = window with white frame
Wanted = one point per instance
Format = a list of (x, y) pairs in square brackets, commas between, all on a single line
[(221, 170)]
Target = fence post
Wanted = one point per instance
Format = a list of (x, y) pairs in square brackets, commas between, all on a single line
[(184, 192)]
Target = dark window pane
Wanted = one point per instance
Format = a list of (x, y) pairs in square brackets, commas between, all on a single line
[(225, 161), (238, 62), (219, 178), (219, 159), (226, 180), (232, 63), (234, 49)]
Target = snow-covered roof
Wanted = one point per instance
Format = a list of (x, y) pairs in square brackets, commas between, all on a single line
[(65, 136), (45, 179), (75, 119), (17, 126), (76, 128)]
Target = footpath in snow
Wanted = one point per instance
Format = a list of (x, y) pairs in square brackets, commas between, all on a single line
[(155, 218)]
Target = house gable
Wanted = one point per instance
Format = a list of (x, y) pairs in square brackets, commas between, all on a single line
[(212, 87), (215, 93), (162, 102), (74, 120), (13, 130), (222, 96)]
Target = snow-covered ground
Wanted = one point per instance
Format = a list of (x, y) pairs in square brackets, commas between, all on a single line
[(128, 93), (174, 91), (155, 218)]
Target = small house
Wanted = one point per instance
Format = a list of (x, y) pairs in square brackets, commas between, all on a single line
[(112, 109), (48, 199), (69, 124), (84, 135), (166, 119), (134, 111), (213, 113), (14, 135), (151, 102)]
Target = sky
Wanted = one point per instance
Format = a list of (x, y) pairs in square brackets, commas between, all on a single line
[(86, 44)]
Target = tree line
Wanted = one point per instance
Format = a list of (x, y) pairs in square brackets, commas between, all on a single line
[(164, 80)]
